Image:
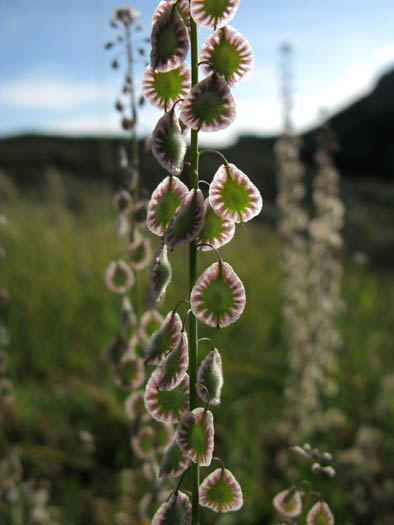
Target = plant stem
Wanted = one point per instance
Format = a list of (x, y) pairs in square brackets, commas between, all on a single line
[(193, 335)]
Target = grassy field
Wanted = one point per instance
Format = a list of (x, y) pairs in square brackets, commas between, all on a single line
[(61, 318)]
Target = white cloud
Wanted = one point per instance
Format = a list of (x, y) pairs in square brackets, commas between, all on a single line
[(46, 92)]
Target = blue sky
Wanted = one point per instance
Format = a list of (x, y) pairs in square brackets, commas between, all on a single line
[(55, 74)]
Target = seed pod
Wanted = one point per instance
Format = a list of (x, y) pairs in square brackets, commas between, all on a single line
[(140, 254), (119, 277), (212, 14), (166, 339), (129, 373), (134, 405), (194, 436), (159, 276), (210, 375), (164, 88), (168, 144), (288, 503), (187, 221), (175, 365), (143, 443), (176, 511), (174, 461), (320, 514), (170, 41), (217, 231), (221, 492), (233, 196), (182, 7), (166, 405), (218, 296), (150, 322), (164, 201), (209, 106), (228, 53)]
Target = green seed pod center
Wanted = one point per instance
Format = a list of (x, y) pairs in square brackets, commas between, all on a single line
[(208, 106), (221, 493), (218, 296), (168, 85), (225, 59), (166, 42), (216, 8)]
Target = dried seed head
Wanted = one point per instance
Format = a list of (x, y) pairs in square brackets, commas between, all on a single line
[(164, 201), (163, 89), (218, 296), (194, 436), (216, 232), (170, 41), (221, 492), (233, 196), (168, 144), (228, 53), (187, 221), (166, 405), (209, 106), (213, 13)]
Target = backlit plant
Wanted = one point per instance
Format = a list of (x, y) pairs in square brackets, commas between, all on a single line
[(179, 391)]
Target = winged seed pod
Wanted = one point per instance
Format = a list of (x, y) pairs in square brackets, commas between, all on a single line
[(166, 339), (233, 196), (175, 365), (143, 443), (129, 373), (160, 274), (218, 296), (164, 201), (140, 254), (174, 461), (168, 144), (320, 514), (288, 503), (187, 221), (216, 232), (194, 436), (167, 406), (170, 41), (221, 492), (182, 7), (164, 88), (228, 53), (150, 322), (210, 375), (212, 14), (176, 511), (209, 106)]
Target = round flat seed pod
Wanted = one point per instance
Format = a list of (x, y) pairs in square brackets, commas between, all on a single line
[(168, 144), (195, 435), (218, 296), (228, 53), (221, 492), (164, 201), (288, 503), (170, 41), (164, 88), (176, 511), (167, 406), (164, 340), (320, 514), (216, 232), (213, 13), (174, 461), (175, 365), (233, 196), (209, 106)]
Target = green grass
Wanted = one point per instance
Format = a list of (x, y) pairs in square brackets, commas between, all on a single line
[(61, 318)]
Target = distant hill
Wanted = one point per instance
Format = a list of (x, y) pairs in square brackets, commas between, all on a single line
[(365, 158)]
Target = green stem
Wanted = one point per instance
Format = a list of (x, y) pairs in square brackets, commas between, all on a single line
[(193, 334)]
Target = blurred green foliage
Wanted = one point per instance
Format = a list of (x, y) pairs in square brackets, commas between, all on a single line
[(61, 317)]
